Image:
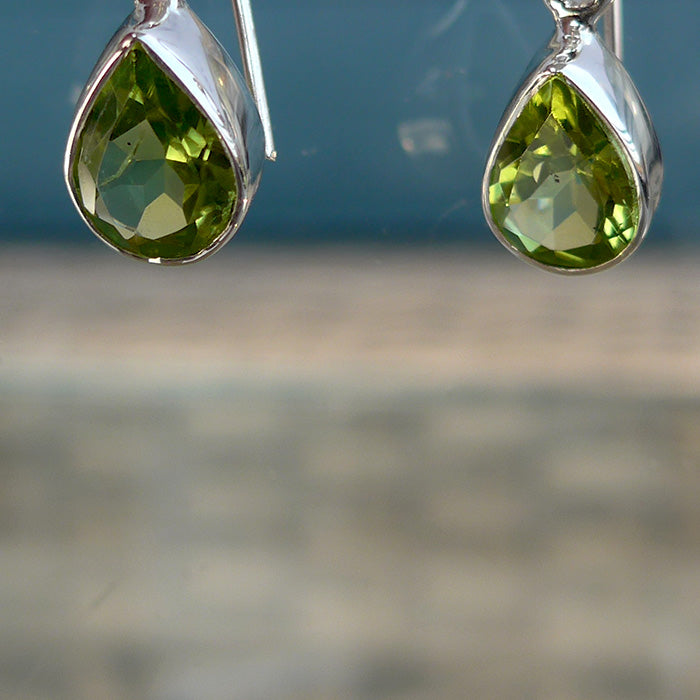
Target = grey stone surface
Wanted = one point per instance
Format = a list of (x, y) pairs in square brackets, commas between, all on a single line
[(345, 476)]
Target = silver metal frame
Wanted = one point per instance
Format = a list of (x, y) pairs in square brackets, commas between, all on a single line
[(190, 54), (579, 54)]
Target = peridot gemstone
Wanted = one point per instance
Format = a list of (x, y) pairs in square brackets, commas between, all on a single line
[(150, 171), (562, 191)]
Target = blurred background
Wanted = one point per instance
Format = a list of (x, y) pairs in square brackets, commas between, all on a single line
[(363, 453)]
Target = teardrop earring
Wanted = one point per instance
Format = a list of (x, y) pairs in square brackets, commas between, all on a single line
[(575, 170), (167, 145)]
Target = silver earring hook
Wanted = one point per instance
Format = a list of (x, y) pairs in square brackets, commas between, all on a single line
[(590, 10), (252, 69), (155, 10), (613, 28)]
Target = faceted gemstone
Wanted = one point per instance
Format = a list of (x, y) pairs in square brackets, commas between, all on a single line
[(562, 191), (151, 173)]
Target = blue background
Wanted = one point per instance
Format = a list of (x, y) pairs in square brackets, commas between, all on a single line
[(348, 80)]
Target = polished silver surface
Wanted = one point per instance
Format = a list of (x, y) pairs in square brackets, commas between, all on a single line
[(581, 9), (589, 11), (580, 55), (252, 67), (189, 53), (613, 29)]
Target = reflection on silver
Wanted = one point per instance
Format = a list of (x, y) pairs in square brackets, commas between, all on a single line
[(186, 50), (613, 23), (252, 67), (609, 10), (577, 52)]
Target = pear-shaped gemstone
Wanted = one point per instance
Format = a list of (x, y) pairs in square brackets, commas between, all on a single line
[(150, 172), (561, 190)]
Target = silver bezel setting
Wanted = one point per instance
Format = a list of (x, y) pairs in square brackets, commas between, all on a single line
[(579, 55), (184, 48)]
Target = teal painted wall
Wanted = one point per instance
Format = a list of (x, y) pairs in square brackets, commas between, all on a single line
[(349, 82)]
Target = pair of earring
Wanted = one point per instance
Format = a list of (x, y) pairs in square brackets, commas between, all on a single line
[(168, 143)]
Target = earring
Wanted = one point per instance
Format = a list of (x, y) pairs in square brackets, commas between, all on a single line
[(167, 145), (575, 170)]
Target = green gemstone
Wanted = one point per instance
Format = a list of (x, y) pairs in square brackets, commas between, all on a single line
[(150, 172), (561, 190)]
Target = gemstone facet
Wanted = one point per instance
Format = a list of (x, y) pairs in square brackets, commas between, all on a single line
[(150, 172), (561, 190)]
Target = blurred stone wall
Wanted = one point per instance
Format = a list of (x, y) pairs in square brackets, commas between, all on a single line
[(348, 477)]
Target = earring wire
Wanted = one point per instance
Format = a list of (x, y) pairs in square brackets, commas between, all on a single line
[(612, 28), (252, 69)]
